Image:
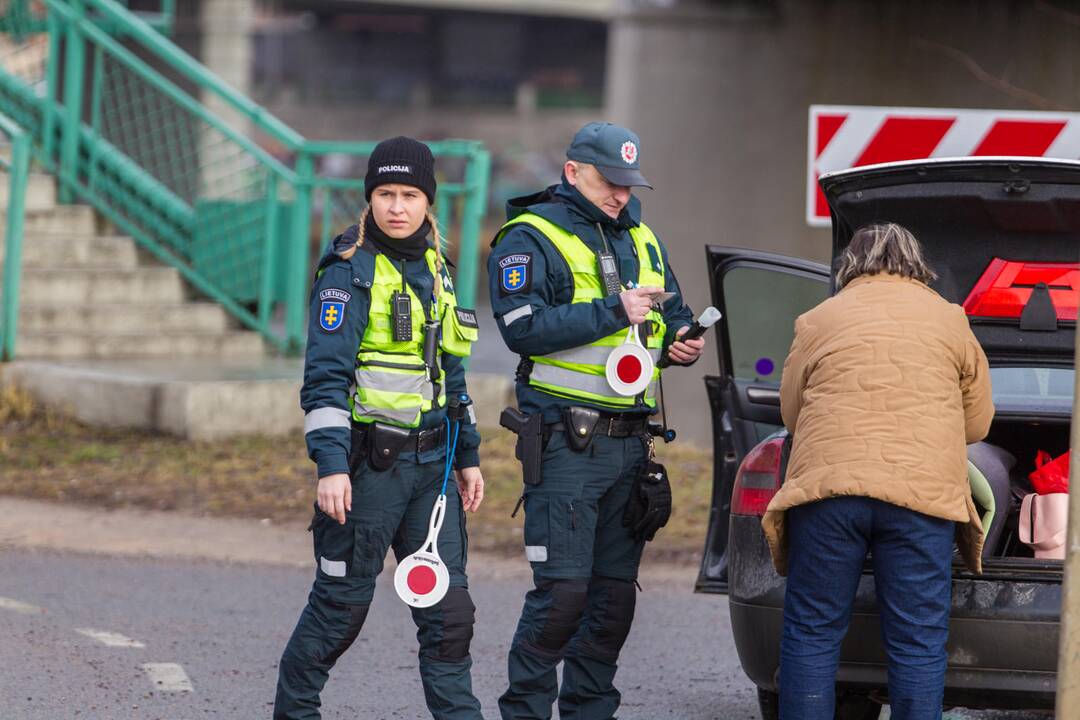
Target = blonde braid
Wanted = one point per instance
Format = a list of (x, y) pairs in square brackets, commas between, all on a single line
[(360, 235), (437, 237)]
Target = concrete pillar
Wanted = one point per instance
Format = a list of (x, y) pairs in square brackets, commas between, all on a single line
[(719, 94), (226, 27)]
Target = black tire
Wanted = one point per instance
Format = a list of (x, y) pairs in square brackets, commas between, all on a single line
[(768, 704), (848, 707)]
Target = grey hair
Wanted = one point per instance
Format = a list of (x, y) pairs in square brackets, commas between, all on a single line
[(883, 248)]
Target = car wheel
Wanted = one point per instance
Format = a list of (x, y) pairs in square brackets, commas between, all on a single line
[(857, 707), (768, 704)]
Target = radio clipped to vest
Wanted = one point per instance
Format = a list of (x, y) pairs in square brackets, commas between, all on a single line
[(401, 316), (609, 272)]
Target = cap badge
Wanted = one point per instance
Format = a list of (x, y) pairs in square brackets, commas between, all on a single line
[(629, 152)]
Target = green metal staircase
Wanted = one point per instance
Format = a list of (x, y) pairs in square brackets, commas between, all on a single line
[(199, 176)]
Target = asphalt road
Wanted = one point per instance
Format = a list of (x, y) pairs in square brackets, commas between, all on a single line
[(225, 625), (178, 617)]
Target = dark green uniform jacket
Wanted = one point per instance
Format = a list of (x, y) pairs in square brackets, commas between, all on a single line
[(331, 356), (541, 317)]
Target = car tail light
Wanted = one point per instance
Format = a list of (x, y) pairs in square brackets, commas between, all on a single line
[(758, 479), (1005, 288)]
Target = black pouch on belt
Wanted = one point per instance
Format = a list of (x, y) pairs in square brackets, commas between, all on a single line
[(649, 506), (580, 425), (384, 444)]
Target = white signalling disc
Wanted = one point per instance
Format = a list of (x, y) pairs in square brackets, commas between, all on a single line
[(629, 367), (421, 580)]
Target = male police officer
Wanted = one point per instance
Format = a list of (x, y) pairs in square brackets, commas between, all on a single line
[(570, 271)]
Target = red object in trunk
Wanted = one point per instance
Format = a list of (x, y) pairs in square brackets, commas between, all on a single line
[(1051, 475)]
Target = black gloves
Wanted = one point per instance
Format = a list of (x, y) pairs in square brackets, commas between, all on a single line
[(649, 507)]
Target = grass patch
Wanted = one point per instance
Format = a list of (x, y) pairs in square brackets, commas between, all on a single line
[(45, 455)]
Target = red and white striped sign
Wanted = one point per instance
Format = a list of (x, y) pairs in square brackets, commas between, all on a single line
[(844, 137)]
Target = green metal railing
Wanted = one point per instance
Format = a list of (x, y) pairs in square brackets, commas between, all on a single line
[(167, 152), (16, 169)]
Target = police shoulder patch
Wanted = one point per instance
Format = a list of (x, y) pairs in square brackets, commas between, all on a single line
[(466, 317), (515, 273), (332, 310)]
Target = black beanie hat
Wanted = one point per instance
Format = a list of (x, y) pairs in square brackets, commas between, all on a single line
[(401, 160)]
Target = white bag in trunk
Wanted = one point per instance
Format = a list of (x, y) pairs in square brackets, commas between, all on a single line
[(1044, 520)]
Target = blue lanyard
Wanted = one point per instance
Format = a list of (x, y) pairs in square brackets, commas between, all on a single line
[(451, 448)]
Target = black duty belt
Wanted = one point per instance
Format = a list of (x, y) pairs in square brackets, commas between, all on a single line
[(429, 439), (615, 425), (419, 440)]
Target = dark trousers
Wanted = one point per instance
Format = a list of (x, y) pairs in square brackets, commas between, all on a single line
[(390, 508), (585, 564), (912, 561)]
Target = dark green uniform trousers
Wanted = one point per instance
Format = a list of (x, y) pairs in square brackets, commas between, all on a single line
[(585, 566), (389, 508)]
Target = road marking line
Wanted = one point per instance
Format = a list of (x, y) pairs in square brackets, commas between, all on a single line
[(110, 639), (168, 677), (20, 607)]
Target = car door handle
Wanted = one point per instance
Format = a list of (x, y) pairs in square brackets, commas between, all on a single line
[(763, 396)]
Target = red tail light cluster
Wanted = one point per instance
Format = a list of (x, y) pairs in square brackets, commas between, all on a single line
[(757, 480), (1005, 288)]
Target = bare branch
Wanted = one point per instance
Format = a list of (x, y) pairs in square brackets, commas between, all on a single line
[(998, 83)]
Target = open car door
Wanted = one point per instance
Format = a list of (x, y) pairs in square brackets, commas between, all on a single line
[(759, 295)]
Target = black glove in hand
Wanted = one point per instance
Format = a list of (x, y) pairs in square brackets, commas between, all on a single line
[(649, 506)]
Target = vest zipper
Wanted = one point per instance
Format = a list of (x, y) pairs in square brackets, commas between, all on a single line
[(395, 366)]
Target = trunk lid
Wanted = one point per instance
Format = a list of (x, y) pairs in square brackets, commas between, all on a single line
[(969, 212)]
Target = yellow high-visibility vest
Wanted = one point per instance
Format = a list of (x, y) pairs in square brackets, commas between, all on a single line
[(392, 382), (579, 373)]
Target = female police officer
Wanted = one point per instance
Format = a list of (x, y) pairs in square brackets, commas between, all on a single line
[(375, 396)]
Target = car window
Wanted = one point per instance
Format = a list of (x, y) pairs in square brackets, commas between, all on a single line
[(1033, 389), (761, 306)]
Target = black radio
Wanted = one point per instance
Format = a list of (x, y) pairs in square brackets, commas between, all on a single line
[(609, 273), (401, 314)]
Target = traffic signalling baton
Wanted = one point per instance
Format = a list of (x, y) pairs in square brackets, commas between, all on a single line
[(629, 367), (421, 579)]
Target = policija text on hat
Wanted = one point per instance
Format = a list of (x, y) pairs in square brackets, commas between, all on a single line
[(583, 291)]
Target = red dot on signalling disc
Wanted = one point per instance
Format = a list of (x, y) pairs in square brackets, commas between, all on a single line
[(628, 369), (421, 580)]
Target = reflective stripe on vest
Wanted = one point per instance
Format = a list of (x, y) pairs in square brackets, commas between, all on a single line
[(579, 373), (392, 382)]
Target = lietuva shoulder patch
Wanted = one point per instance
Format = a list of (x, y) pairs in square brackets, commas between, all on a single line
[(332, 311), (515, 274)]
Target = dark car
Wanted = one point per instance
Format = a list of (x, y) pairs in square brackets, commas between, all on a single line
[(1004, 236)]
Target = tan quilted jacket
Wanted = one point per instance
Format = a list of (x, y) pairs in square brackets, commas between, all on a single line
[(884, 387)]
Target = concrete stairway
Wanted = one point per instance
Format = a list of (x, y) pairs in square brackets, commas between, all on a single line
[(94, 296)]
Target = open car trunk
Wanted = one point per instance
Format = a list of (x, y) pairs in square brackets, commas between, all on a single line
[(1022, 439)]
